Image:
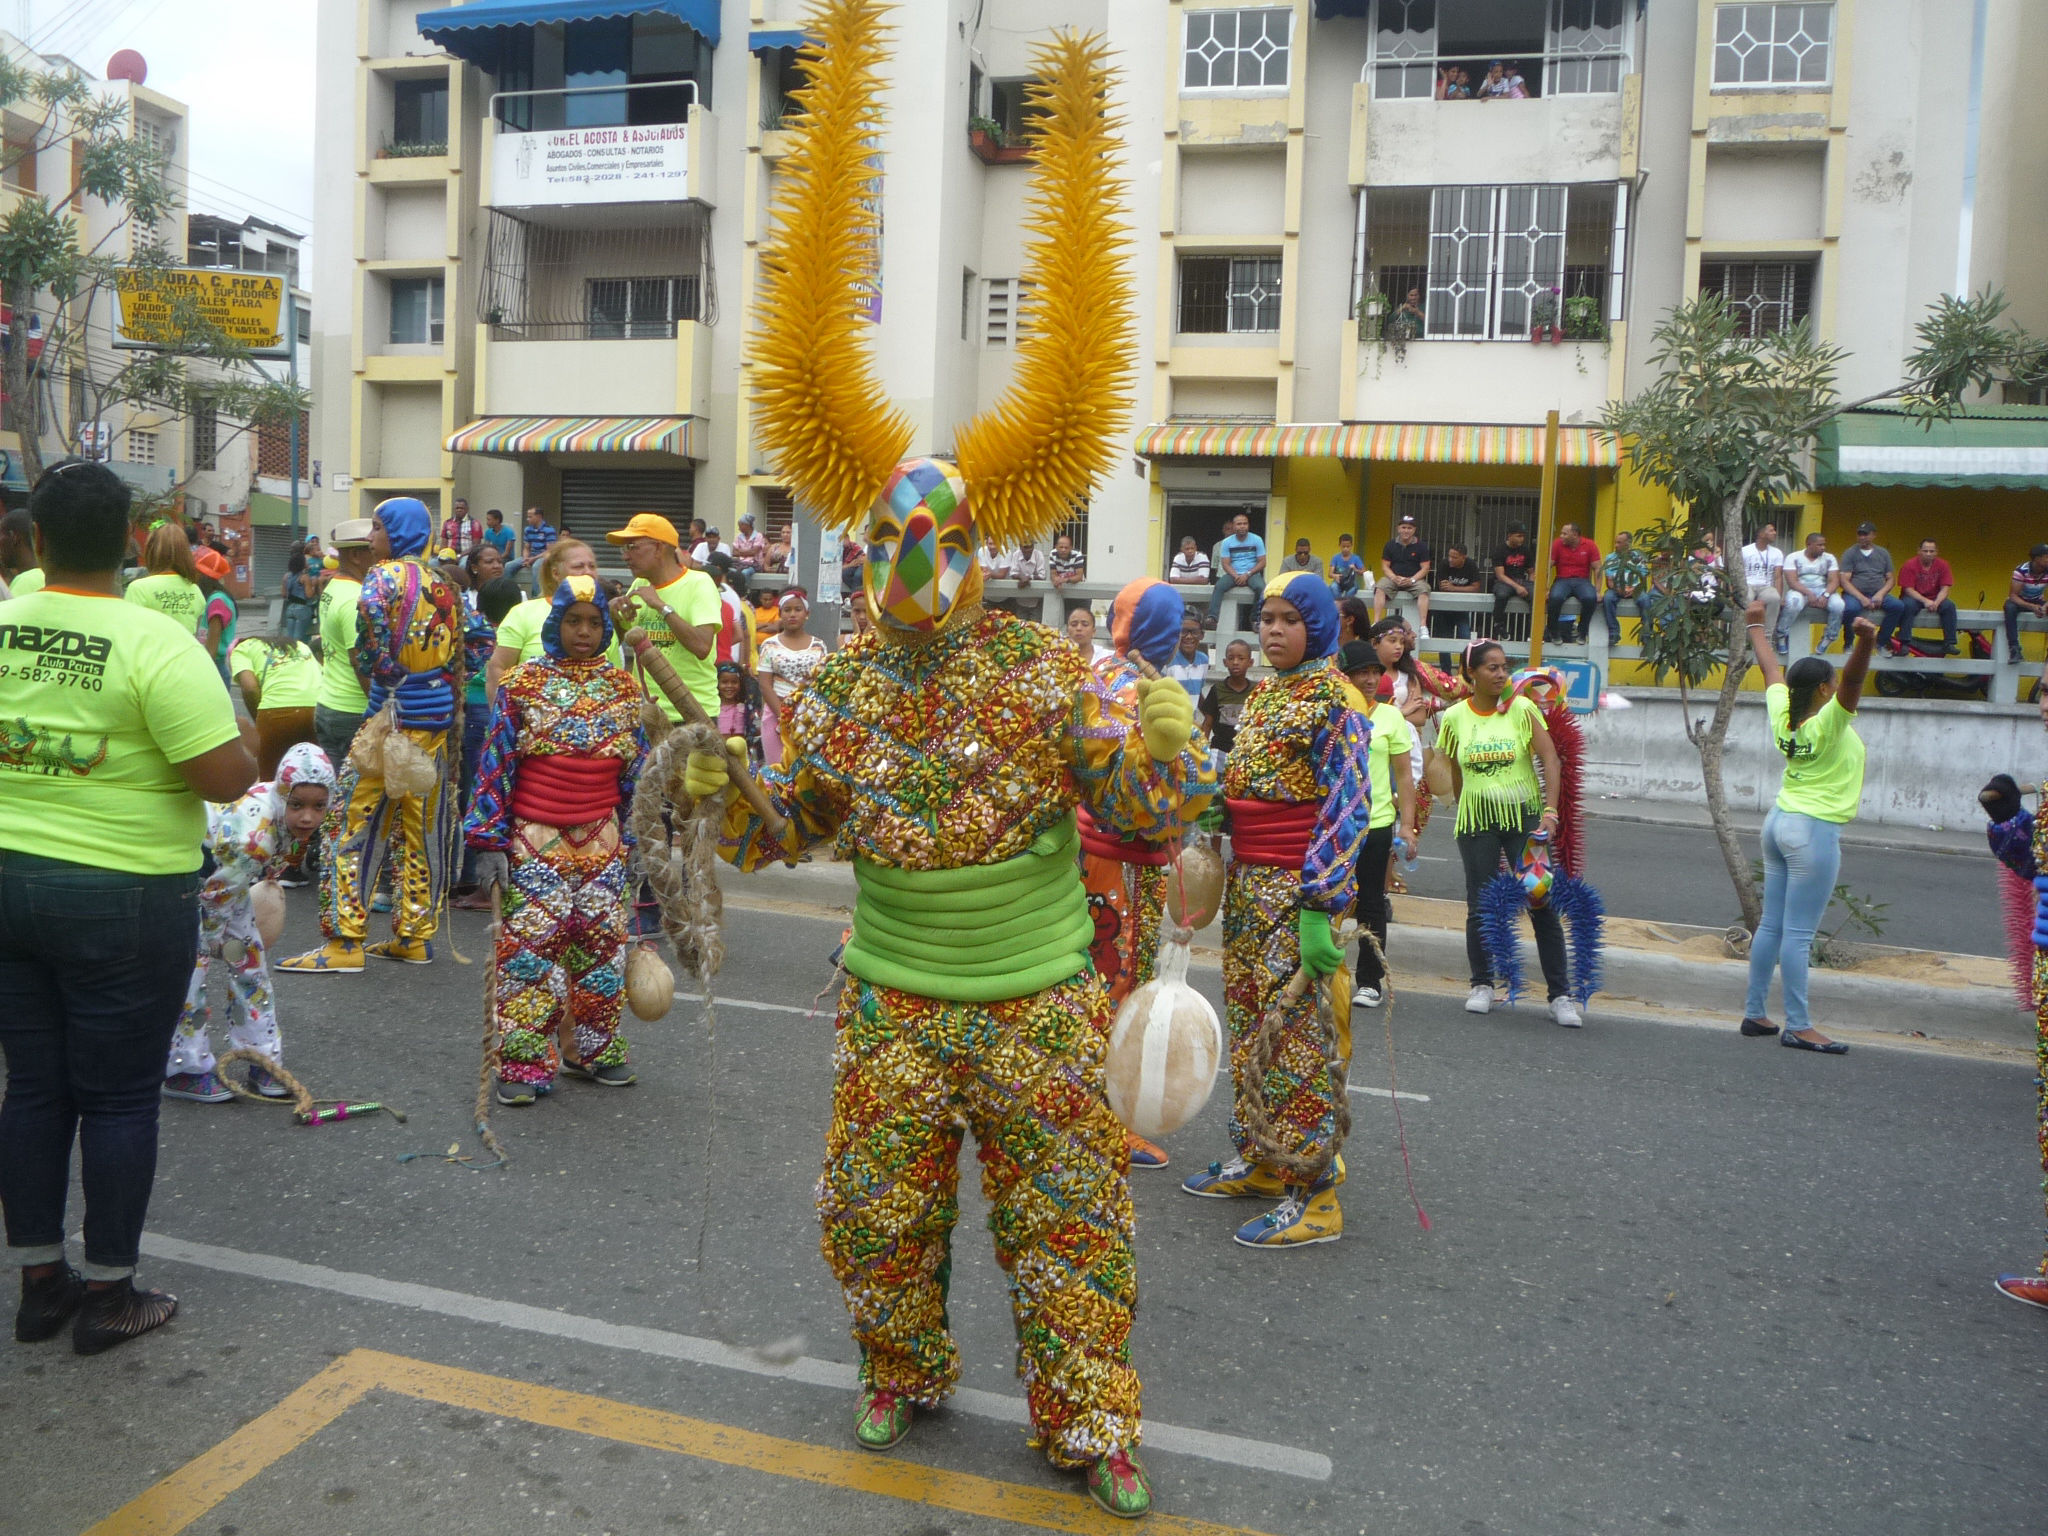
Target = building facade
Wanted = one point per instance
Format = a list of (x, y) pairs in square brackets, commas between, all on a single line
[(1377, 244)]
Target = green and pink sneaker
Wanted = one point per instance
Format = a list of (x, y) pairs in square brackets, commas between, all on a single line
[(884, 1418), (1118, 1483)]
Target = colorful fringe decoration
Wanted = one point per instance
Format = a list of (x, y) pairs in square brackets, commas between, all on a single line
[(2016, 894), (1576, 903), (1546, 687)]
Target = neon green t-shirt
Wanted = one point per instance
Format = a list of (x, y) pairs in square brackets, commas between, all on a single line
[(30, 580), (340, 689), (694, 596), (287, 674), (1393, 739), (521, 632), (174, 597), (98, 698), (1823, 758), (1495, 754)]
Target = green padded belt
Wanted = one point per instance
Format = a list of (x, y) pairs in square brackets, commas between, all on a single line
[(980, 934)]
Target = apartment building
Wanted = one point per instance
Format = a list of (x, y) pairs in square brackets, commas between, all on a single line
[(1378, 243)]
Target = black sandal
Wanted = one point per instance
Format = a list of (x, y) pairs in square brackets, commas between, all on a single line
[(117, 1313), (1832, 1048), (47, 1303), (1755, 1027)]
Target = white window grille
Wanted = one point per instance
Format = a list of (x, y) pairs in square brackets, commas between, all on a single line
[(1531, 256), (1237, 50), (1234, 295), (1765, 296), (1460, 260), (1417, 45), (639, 308), (141, 447), (1764, 46)]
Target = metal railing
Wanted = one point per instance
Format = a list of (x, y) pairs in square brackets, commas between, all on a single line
[(559, 95)]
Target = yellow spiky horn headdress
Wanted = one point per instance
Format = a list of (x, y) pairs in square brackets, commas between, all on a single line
[(820, 414)]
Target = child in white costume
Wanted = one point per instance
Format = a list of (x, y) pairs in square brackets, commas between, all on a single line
[(250, 840)]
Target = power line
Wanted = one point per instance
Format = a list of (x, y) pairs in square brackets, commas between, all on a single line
[(251, 197)]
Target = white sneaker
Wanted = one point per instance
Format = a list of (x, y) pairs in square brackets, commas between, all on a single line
[(1479, 1000), (1566, 1012), (1422, 631), (1367, 997)]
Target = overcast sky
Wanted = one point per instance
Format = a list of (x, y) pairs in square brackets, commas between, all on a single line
[(243, 68)]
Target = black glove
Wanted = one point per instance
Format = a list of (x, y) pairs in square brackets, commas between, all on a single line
[(2000, 798)]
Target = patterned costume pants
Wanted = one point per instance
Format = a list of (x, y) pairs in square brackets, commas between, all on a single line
[(562, 949), (224, 925), (360, 824), (2041, 1071), (1126, 901), (1025, 1076), (1261, 951)]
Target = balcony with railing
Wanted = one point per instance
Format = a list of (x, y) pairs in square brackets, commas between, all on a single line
[(571, 147)]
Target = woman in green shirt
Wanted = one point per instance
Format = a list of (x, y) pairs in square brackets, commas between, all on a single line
[(172, 585), (1495, 751), (1812, 722)]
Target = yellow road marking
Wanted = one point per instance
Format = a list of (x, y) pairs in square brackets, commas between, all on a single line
[(173, 1504)]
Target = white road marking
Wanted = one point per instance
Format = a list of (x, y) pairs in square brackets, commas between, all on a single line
[(1259, 1455), (1388, 1093)]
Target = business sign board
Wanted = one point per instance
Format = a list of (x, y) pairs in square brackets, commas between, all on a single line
[(242, 305), (645, 163)]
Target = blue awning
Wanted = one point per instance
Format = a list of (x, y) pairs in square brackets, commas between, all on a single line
[(471, 31), (776, 37)]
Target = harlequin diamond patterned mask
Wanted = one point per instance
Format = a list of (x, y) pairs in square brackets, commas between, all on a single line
[(921, 547)]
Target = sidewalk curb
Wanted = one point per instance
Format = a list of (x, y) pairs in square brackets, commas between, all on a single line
[(1850, 838)]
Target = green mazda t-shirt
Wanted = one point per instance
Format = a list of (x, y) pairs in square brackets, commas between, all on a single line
[(98, 699), (340, 688), (287, 675), (30, 580), (172, 596)]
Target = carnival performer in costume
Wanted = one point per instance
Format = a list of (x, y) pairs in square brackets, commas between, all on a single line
[(1126, 877), (2019, 838), (548, 825), (415, 639), (253, 839), (1297, 785), (944, 753)]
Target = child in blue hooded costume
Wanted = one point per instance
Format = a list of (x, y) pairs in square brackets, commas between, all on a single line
[(548, 825), (415, 642)]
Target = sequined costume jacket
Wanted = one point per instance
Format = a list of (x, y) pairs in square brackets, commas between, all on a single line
[(1119, 679), (958, 751), (1300, 740), (549, 707), (412, 627)]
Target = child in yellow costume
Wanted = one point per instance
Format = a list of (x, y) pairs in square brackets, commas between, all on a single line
[(945, 752)]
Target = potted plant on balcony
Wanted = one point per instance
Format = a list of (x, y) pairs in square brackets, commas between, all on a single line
[(985, 138), (1372, 316), (1582, 318), (1543, 324)]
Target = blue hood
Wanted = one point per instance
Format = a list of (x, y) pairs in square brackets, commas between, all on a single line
[(407, 523), (574, 589)]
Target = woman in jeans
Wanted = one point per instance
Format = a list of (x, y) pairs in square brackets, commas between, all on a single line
[(102, 792), (1812, 721), (1504, 772)]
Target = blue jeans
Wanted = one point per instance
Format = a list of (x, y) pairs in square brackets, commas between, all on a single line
[(93, 969), (1562, 590), (1802, 857), (1224, 587), (1902, 615), (1611, 606)]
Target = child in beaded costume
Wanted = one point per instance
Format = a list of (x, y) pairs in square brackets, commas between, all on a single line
[(415, 639), (253, 839), (548, 825), (1297, 785), (1126, 877), (944, 752)]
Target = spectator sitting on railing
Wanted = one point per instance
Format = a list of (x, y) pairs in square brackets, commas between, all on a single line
[(1763, 568), (749, 549), (1067, 565), (1813, 576), (1627, 577), (1240, 562), (1304, 558), (1706, 559), (535, 539), (1189, 568), (1346, 569), (498, 536), (1924, 583), (994, 562), (1573, 559), (2029, 594), (1029, 564), (1405, 564), (711, 544), (1866, 574), (776, 562), (1459, 574), (1513, 577)]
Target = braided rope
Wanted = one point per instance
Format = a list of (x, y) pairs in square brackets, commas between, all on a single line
[(305, 1108)]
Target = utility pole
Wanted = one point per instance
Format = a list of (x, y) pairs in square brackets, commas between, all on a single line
[(291, 304)]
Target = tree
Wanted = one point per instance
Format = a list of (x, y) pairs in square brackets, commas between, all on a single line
[(1731, 424)]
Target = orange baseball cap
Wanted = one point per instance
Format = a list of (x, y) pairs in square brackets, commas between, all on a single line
[(211, 562), (646, 525)]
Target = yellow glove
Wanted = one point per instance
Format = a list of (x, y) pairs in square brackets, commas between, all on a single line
[(706, 773), (1166, 715)]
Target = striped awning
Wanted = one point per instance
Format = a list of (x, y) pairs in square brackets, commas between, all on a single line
[(1393, 442), (510, 436)]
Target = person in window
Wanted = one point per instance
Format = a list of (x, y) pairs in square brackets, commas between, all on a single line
[(1924, 585), (1346, 569), (1405, 564), (1518, 88), (2028, 594), (1409, 320), (1512, 576), (1240, 563), (1626, 575), (1459, 575), (1452, 83), (1495, 86), (1189, 568), (1573, 559), (1068, 565)]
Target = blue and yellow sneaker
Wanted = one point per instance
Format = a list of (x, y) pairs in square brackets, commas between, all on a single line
[(1145, 1154), (1295, 1222), (337, 957), (1119, 1484), (1238, 1180), (884, 1418), (406, 951)]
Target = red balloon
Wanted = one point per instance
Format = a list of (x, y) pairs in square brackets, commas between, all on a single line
[(128, 65)]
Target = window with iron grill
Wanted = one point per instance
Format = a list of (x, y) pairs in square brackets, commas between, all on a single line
[(1773, 45), (1555, 47), (205, 435), (1229, 295), (1475, 520), (1236, 50), (1765, 296), (640, 308)]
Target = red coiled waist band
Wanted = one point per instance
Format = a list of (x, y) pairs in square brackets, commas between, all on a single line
[(566, 791), (1272, 832), (1125, 851)]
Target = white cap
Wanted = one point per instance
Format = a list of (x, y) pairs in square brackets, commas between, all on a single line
[(353, 534)]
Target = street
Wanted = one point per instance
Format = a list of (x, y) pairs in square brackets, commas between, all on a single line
[(1677, 1280)]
